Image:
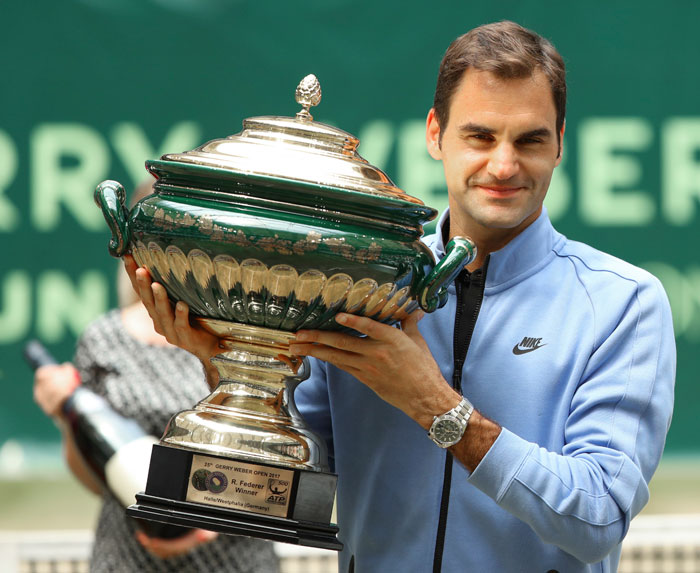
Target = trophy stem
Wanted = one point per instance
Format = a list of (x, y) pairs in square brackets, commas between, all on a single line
[(251, 414)]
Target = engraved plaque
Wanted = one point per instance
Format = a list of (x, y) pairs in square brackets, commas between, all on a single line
[(239, 485)]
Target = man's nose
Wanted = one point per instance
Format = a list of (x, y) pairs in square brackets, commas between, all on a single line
[(503, 163)]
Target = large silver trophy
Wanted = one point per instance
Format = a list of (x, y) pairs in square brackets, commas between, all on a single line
[(264, 233)]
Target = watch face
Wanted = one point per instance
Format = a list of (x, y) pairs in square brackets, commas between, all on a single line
[(448, 431)]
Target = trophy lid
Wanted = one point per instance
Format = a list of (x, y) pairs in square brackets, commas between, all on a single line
[(292, 152)]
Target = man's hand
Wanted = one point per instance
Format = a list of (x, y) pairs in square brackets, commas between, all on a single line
[(174, 325), (396, 364), (166, 548), (53, 385)]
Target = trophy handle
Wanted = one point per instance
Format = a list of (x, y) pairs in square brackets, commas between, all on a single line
[(110, 197), (459, 252)]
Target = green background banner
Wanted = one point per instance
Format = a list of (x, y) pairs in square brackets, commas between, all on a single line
[(93, 88)]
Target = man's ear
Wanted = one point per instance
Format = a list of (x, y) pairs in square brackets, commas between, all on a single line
[(432, 135), (561, 143)]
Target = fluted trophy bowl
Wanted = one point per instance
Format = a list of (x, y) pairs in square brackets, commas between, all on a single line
[(263, 233)]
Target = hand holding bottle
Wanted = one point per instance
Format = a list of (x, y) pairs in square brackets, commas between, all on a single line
[(53, 385)]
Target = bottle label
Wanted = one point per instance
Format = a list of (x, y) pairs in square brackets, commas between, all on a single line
[(126, 472), (240, 485)]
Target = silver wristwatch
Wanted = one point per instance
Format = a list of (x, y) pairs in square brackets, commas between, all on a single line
[(448, 428)]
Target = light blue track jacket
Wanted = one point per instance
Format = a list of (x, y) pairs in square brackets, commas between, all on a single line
[(573, 354)]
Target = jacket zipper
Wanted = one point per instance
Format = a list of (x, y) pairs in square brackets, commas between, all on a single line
[(470, 294)]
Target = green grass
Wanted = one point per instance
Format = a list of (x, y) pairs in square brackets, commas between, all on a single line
[(675, 488), (42, 503)]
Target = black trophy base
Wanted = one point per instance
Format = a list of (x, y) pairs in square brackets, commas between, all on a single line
[(232, 522), (239, 498)]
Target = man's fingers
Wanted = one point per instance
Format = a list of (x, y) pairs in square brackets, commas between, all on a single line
[(192, 337), (174, 325), (181, 324), (155, 298), (412, 320), (410, 326), (341, 358), (182, 315), (343, 349), (143, 288), (164, 318), (130, 266), (327, 338), (366, 326)]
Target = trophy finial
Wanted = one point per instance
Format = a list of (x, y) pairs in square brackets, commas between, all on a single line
[(308, 94)]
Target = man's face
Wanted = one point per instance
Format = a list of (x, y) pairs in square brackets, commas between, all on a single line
[(498, 150)]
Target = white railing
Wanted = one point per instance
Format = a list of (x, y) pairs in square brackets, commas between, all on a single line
[(654, 544), (56, 551), (662, 544)]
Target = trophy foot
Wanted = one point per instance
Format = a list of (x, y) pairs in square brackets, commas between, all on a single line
[(244, 436), (239, 498)]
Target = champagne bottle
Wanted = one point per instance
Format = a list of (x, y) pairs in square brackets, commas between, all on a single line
[(117, 449)]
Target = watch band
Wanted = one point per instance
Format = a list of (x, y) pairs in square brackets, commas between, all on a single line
[(448, 428)]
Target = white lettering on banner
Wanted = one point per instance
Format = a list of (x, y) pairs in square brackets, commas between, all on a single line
[(54, 183), (133, 148), (376, 142), (683, 290), (67, 160), (559, 194), (62, 304), (605, 170), (680, 169), (15, 308), (9, 214)]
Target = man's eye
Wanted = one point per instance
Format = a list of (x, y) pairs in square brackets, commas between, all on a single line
[(529, 140)]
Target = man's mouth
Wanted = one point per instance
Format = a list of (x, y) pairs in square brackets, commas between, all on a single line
[(499, 190)]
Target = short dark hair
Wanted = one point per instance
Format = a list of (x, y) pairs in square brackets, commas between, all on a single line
[(507, 50)]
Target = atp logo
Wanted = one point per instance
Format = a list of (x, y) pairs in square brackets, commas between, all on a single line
[(527, 344), (278, 491)]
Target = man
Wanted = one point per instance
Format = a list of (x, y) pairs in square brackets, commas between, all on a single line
[(564, 355)]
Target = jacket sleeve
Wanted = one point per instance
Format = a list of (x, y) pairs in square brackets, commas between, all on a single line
[(583, 498)]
